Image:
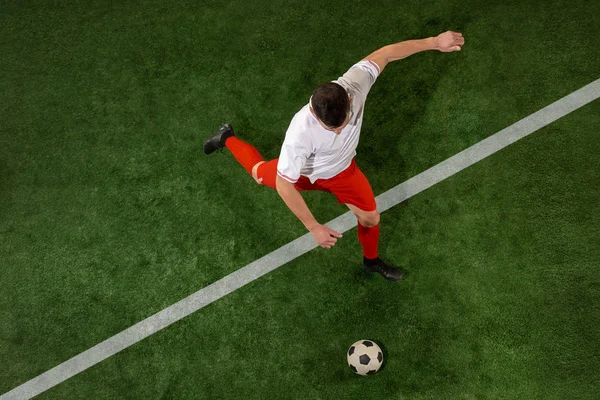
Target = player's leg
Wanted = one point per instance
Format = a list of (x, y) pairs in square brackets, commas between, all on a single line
[(265, 173), (368, 230), (368, 236), (352, 188), (255, 172), (244, 153), (365, 218)]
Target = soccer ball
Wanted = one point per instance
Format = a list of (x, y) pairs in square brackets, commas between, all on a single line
[(365, 357)]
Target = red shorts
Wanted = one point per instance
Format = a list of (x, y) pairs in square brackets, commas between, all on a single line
[(349, 186)]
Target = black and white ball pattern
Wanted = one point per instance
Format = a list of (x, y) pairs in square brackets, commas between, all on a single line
[(365, 357)]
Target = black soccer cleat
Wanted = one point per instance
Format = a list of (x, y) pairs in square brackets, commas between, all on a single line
[(378, 265), (217, 140)]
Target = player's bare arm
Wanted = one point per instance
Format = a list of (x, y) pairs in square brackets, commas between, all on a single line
[(323, 235), (445, 42)]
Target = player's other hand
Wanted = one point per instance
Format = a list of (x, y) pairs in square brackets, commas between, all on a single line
[(449, 41), (324, 236)]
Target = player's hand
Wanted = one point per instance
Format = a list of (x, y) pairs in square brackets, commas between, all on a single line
[(324, 236), (449, 41)]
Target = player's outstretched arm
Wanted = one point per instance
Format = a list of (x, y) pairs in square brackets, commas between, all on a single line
[(323, 235), (445, 42)]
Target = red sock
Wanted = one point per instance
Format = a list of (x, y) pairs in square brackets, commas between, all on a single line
[(244, 153), (369, 238)]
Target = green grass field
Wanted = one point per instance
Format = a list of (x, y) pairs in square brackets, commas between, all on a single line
[(110, 212)]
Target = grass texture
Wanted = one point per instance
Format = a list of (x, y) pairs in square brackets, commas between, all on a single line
[(110, 212)]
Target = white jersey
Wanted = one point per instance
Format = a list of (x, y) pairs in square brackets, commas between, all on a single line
[(313, 151)]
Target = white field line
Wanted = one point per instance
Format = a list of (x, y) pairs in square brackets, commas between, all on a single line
[(302, 245)]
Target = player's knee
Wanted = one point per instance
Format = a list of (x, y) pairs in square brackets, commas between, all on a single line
[(369, 219), (255, 172)]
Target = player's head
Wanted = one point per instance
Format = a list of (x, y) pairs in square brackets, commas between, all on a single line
[(331, 105)]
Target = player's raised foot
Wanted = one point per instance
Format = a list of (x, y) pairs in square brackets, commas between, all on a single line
[(217, 140), (389, 272)]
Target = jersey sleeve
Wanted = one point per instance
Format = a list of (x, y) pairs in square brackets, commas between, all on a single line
[(361, 76), (291, 160)]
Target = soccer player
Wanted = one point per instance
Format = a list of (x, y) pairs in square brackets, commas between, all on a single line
[(319, 148)]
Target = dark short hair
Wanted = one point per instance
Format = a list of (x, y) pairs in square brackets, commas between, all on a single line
[(330, 103)]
